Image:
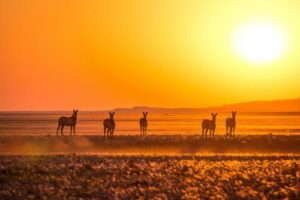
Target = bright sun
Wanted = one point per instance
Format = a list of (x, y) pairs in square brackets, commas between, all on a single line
[(260, 42)]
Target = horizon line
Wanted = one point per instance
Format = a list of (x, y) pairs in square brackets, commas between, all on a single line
[(150, 107)]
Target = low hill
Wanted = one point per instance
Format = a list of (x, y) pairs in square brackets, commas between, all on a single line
[(289, 105)]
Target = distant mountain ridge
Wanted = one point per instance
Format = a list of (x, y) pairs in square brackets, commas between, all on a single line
[(289, 105)]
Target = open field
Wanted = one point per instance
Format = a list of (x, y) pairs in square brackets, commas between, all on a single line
[(150, 167), (165, 122), (152, 144), (157, 177)]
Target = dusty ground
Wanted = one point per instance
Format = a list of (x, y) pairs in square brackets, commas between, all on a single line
[(150, 144), (132, 167)]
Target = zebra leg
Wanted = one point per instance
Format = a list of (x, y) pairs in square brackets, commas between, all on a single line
[(108, 132), (104, 131), (61, 130), (74, 130), (58, 127), (228, 131), (206, 133), (71, 127)]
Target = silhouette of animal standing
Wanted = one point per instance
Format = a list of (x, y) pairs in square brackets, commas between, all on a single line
[(143, 124), (67, 121), (230, 125), (109, 125), (209, 125)]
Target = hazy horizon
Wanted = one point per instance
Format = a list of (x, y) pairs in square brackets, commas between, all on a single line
[(159, 123), (229, 106)]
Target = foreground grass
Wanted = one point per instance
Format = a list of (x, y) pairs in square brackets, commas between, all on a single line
[(149, 177)]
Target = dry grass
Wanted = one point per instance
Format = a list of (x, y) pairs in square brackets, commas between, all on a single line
[(149, 177)]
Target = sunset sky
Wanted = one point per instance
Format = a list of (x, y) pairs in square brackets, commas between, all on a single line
[(92, 54)]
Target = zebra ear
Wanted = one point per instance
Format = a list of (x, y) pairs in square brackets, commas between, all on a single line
[(113, 113), (146, 113), (216, 114)]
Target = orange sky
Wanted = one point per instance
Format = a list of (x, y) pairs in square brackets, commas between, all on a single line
[(88, 54)]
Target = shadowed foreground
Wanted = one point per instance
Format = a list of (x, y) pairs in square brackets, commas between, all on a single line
[(161, 177), (149, 144)]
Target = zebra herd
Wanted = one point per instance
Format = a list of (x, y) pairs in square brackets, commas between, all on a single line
[(210, 125), (109, 124)]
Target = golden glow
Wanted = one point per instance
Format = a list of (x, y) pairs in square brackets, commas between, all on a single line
[(260, 42), (98, 54)]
